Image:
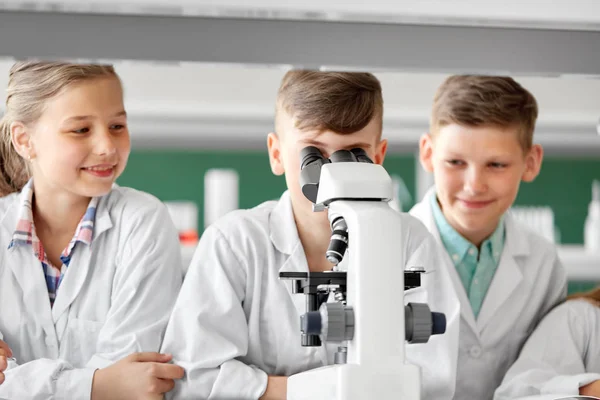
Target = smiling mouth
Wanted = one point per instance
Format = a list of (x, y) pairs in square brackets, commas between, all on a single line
[(476, 204), (100, 170)]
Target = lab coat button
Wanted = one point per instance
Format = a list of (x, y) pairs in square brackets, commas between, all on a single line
[(475, 351)]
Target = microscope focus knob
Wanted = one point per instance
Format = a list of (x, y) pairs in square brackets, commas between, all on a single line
[(420, 323), (439, 323), (310, 323), (337, 321)]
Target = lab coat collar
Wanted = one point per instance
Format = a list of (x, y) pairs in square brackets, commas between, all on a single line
[(9, 219), (102, 220), (282, 226), (284, 235)]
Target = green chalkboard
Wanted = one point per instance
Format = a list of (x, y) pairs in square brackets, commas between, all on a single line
[(564, 183), (179, 175)]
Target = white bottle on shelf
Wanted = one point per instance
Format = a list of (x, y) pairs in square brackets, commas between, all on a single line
[(591, 237), (221, 193), (185, 218)]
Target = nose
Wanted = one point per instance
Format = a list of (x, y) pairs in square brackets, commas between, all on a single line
[(475, 181), (104, 143)]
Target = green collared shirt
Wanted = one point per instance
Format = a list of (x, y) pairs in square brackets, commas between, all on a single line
[(476, 269)]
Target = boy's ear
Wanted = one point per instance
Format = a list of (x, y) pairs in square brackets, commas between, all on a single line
[(274, 148), (426, 152), (533, 163), (381, 151)]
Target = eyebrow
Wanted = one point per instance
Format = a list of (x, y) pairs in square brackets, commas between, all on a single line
[(452, 154), (361, 145), (87, 117)]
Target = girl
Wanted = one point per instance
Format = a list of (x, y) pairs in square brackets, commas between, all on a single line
[(562, 356), (89, 271)]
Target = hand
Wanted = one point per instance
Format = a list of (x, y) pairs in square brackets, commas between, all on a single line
[(139, 376), (5, 353), (276, 388), (592, 389)]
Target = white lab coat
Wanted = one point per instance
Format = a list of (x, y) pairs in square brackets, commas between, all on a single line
[(562, 354), (235, 321), (115, 298), (529, 281)]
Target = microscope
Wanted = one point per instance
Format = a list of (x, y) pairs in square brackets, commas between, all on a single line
[(368, 317)]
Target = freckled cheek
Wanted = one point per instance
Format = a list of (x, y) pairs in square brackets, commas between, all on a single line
[(124, 153), (292, 164), (291, 161), (503, 185), (293, 178), (124, 143), (451, 181), (68, 156)]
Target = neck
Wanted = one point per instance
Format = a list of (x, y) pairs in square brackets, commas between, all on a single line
[(314, 232), (477, 238), (57, 213)]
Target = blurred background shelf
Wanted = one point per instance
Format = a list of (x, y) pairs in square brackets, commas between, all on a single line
[(580, 264)]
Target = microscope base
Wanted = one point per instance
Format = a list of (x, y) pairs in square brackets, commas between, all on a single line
[(356, 382)]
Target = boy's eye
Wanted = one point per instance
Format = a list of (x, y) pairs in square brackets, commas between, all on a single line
[(455, 162), (117, 127), (82, 130), (497, 165)]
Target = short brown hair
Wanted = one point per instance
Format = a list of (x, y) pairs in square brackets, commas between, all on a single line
[(477, 100), (30, 85), (343, 102)]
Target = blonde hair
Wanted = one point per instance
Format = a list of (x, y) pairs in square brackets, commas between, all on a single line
[(592, 296), (342, 102), (479, 100), (30, 85)]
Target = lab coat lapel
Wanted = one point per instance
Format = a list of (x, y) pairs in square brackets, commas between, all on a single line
[(28, 272), (424, 212), (284, 236), (282, 226), (80, 265), (508, 275)]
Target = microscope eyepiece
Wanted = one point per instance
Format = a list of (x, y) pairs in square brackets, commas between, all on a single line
[(309, 155), (311, 161), (361, 155), (343, 156)]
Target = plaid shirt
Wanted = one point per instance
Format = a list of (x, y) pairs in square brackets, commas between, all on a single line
[(25, 234)]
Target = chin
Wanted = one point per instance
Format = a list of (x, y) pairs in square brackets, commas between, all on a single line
[(94, 190), (480, 225)]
